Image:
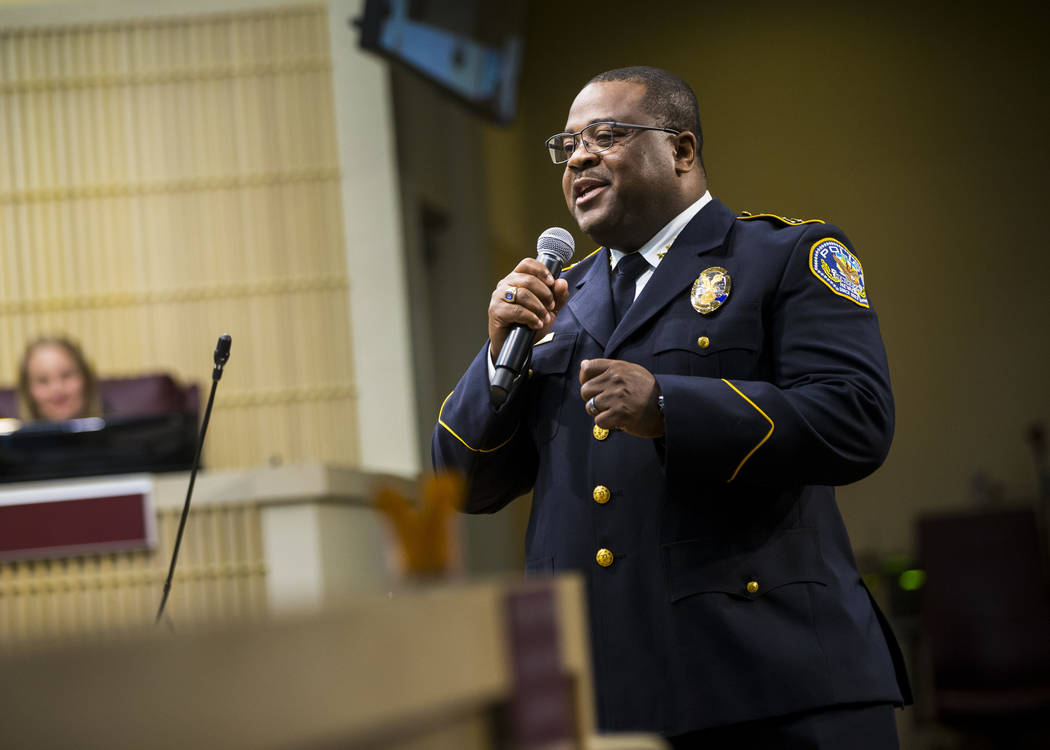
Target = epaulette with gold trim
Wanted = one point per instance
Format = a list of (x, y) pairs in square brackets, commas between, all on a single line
[(786, 220), (581, 260)]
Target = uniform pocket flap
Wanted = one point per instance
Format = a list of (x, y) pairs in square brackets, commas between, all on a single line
[(539, 566), (552, 357), (696, 567), (704, 337)]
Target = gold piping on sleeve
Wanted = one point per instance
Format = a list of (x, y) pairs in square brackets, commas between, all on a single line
[(760, 442), (468, 445), (790, 222)]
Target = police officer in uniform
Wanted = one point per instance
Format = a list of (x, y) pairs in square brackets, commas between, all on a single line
[(696, 387)]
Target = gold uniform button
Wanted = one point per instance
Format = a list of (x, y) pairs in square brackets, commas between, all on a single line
[(601, 494), (752, 587), (604, 557), (600, 433), (703, 342)]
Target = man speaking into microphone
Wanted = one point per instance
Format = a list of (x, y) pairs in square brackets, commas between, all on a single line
[(694, 389)]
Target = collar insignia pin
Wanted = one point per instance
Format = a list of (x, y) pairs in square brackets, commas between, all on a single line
[(710, 290)]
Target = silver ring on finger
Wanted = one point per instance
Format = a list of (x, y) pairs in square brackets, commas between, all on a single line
[(592, 408), (511, 294)]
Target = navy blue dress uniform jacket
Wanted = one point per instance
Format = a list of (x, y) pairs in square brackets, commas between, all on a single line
[(732, 594)]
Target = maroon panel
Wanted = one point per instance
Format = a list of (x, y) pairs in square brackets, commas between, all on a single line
[(8, 403), (541, 706), (88, 522)]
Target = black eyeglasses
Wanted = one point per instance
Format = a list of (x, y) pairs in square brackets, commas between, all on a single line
[(596, 137)]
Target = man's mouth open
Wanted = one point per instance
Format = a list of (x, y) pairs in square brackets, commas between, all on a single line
[(588, 190)]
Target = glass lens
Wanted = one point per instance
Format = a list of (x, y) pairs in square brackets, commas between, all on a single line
[(598, 136), (561, 147)]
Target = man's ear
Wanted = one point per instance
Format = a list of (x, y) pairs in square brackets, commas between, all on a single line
[(686, 157)]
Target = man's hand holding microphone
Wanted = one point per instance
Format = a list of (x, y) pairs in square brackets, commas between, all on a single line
[(523, 308)]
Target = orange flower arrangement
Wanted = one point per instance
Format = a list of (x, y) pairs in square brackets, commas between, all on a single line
[(426, 543)]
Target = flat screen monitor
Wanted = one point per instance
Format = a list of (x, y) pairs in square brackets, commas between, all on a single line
[(95, 446), (470, 48)]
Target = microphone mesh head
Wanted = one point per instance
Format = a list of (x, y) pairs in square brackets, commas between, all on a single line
[(556, 241)]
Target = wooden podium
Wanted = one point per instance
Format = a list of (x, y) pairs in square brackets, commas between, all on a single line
[(264, 540), (498, 664), (288, 632)]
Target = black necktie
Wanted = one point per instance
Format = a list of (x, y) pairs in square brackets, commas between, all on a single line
[(625, 275)]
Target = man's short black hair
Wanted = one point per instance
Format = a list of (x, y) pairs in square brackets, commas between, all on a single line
[(667, 96)]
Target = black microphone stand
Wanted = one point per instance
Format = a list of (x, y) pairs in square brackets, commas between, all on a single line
[(222, 354)]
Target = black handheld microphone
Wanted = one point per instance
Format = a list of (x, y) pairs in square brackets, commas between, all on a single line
[(553, 248), (222, 355)]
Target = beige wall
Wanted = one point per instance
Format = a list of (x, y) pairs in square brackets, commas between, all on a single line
[(163, 181), (919, 130), (173, 170)]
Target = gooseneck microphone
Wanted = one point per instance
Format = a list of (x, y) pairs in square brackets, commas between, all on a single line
[(222, 355), (553, 249)]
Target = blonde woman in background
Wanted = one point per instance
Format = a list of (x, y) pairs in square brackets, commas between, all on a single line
[(55, 382)]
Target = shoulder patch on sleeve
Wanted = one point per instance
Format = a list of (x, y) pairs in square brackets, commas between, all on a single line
[(581, 260), (839, 269), (783, 219)]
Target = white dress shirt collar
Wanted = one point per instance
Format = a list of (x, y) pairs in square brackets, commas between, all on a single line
[(653, 250)]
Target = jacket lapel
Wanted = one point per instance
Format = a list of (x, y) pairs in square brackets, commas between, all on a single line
[(591, 303), (676, 272)]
